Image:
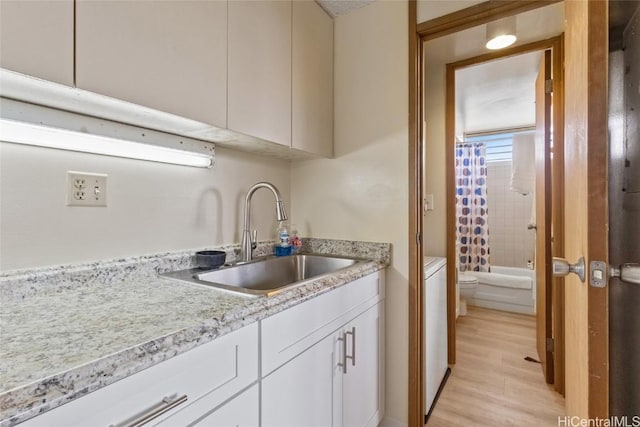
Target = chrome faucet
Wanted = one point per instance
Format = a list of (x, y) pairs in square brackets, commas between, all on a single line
[(249, 242)]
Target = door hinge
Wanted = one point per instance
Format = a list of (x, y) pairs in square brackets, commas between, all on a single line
[(550, 345), (418, 238), (548, 86)]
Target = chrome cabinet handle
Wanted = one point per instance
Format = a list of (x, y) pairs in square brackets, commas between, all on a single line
[(343, 363), (165, 405), (352, 332)]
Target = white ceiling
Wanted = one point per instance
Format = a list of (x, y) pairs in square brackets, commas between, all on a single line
[(340, 7), (497, 94), (494, 95)]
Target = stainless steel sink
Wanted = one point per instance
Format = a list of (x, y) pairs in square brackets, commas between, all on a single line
[(266, 276)]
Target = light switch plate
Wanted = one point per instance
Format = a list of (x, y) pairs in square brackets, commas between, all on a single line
[(86, 189), (428, 202)]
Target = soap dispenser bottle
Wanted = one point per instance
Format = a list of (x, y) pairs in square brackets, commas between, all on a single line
[(283, 244)]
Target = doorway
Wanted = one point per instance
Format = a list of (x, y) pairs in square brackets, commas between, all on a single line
[(512, 91), (457, 42)]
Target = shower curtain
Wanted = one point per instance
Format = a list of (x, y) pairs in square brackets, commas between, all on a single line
[(472, 229)]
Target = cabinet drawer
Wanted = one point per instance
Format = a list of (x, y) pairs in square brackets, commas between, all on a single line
[(241, 411), (215, 371), (289, 333)]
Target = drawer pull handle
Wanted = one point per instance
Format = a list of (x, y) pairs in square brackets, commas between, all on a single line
[(352, 332), (165, 405)]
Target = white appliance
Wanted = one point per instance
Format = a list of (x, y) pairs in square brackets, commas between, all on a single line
[(435, 327)]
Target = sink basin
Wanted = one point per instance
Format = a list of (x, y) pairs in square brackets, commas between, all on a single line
[(266, 276)]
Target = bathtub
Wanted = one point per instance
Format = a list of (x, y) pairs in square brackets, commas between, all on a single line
[(506, 288)]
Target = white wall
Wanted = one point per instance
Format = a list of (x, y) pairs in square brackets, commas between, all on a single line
[(362, 193), (152, 207), (435, 221), (430, 9)]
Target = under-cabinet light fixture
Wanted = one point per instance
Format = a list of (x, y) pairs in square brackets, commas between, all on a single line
[(501, 33), (50, 137)]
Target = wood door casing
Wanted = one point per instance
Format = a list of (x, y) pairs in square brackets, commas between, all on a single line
[(585, 219), (543, 218)]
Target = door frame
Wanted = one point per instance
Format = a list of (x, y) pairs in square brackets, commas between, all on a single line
[(418, 33)]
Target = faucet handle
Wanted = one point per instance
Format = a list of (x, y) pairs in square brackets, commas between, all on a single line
[(254, 239)]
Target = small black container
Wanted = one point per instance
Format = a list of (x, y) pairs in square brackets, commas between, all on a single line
[(210, 259)]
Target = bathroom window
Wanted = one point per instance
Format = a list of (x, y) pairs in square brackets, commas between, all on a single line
[(499, 144)]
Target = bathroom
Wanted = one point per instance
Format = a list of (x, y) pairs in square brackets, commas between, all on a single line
[(495, 184), (508, 282)]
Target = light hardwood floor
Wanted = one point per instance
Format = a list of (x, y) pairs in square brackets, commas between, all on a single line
[(491, 384)]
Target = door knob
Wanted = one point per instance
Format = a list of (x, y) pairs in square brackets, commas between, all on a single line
[(629, 273), (561, 267)]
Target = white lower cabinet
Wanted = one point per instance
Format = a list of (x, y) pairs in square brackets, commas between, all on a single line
[(301, 392), (362, 396), (321, 365), (185, 387), (338, 381)]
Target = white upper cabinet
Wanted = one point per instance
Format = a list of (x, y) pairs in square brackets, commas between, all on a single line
[(166, 55), (36, 38), (312, 79), (260, 69)]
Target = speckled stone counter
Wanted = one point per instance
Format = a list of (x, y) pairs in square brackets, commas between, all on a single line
[(70, 330)]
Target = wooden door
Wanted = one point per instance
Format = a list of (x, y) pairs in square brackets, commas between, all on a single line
[(543, 217), (585, 220)]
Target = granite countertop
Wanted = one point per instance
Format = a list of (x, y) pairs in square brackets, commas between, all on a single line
[(68, 331)]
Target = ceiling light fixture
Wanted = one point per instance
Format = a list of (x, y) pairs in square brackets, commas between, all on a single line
[(50, 137), (501, 33)]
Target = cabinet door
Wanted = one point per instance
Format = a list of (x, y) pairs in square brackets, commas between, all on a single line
[(312, 79), (166, 55), (36, 38), (260, 69), (302, 392), (362, 384)]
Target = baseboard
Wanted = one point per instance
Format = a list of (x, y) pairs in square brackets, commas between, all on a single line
[(390, 422)]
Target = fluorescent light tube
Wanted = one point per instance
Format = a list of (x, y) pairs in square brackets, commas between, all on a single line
[(45, 136)]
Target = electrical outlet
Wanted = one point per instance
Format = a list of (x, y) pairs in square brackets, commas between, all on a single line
[(86, 189)]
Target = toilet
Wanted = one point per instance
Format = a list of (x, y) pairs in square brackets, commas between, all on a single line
[(467, 285)]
